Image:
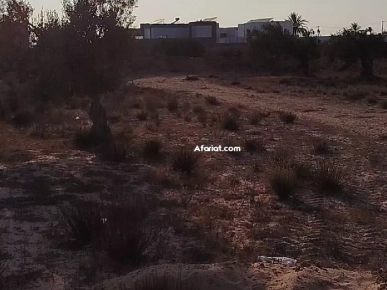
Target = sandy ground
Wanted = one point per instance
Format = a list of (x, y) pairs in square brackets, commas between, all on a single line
[(255, 277), (357, 132), (327, 111)]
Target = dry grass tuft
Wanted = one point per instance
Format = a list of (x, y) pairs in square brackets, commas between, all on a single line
[(254, 145), (185, 161), (321, 146), (287, 117), (213, 101), (283, 181), (328, 177), (230, 123), (172, 104), (142, 115), (152, 149)]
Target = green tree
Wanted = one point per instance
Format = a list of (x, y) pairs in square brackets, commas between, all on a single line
[(268, 45), (271, 43), (304, 49), (356, 44), (299, 23), (98, 48), (14, 33)]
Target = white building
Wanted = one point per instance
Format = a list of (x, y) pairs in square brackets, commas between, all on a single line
[(259, 24), (205, 31), (228, 35), (239, 34)]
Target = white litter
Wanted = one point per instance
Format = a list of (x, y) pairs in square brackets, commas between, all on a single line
[(278, 260)]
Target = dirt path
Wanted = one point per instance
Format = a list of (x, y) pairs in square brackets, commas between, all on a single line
[(346, 115)]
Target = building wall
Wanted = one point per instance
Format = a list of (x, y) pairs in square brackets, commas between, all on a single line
[(228, 35), (286, 25), (201, 31), (155, 31)]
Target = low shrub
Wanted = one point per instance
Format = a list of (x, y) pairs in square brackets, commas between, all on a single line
[(254, 145), (321, 146), (142, 115), (213, 101), (328, 177), (283, 182), (287, 117), (151, 149), (185, 161), (230, 123), (82, 221), (172, 104)]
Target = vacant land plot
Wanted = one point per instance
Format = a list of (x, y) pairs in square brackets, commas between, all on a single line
[(309, 184)]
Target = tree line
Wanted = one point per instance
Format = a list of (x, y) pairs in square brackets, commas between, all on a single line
[(351, 45), (88, 49)]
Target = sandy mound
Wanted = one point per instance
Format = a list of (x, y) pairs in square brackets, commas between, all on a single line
[(254, 277)]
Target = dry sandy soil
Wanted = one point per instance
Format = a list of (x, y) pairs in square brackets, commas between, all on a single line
[(233, 214)]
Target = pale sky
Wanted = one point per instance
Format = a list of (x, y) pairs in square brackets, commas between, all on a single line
[(330, 15)]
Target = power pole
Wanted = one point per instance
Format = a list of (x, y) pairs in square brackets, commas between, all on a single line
[(318, 30), (383, 27)]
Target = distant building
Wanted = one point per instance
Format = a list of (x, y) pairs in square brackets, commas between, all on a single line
[(208, 30), (203, 31), (228, 35), (259, 24)]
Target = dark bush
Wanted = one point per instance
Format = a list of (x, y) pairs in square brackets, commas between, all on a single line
[(82, 221), (329, 178), (152, 149), (230, 123), (213, 101), (283, 181), (23, 119), (180, 47), (155, 282), (321, 146), (185, 161), (142, 116), (172, 104), (85, 140), (256, 117), (127, 237), (115, 151), (254, 145), (287, 117)]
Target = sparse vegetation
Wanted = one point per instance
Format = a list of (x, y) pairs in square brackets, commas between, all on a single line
[(156, 282), (213, 101), (283, 181), (115, 151), (82, 221), (355, 95), (321, 146), (254, 145), (152, 149), (142, 115), (256, 117), (230, 123), (287, 117), (185, 161), (173, 104), (329, 178), (57, 76)]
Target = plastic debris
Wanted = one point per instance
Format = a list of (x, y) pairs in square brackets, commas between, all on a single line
[(278, 260)]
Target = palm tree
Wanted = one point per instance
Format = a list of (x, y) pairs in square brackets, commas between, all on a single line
[(299, 24)]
